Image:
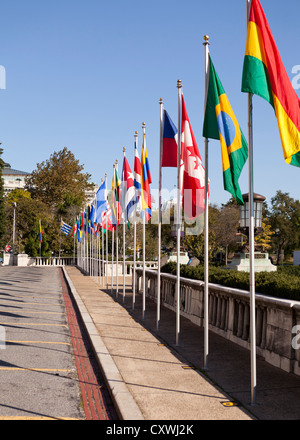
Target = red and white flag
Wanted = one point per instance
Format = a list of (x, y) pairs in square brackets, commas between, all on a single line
[(106, 219), (192, 171)]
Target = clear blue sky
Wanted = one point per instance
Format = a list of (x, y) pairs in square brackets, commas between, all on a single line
[(85, 75)]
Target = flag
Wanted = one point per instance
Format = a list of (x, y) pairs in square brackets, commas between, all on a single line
[(169, 147), (41, 232), (106, 217), (220, 123), (145, 182), (101, 203), (65, 228), (78, 230), (264, 75), (192, 172), (116, 207), (128, 191), (93, 218)]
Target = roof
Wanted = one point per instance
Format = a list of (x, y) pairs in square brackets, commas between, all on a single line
[(7, 170)]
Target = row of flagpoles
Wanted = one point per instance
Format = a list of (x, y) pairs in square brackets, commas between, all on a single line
[(263, 75)]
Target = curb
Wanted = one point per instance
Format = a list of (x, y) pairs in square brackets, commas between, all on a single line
[(125, 405)]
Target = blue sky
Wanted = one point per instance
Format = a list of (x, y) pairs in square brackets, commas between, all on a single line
[(86, 75)]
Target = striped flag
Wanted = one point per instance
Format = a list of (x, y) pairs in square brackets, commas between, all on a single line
[(264, 75), (41, 232), (145, 182), (65, 228)]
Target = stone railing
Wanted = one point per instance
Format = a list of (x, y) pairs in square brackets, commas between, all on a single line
[(95, 267), (229, 316), (25, 260)]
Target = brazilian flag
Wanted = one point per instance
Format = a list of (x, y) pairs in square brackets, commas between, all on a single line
[(220, 123)]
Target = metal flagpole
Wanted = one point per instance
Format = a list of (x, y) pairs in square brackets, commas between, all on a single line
[(134, 237), (206, 324), (117, 239), (159, 212), (144, 245), (112, 249), (251, 240), (106, 238), (124, 220), (179, 86)]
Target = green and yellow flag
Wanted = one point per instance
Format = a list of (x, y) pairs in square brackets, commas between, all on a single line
[(221, 124)]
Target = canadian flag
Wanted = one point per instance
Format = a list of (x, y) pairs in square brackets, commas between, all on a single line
[(192, 172)]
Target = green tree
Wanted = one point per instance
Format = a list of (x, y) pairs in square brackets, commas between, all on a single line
[(284, 215), (60, 183)]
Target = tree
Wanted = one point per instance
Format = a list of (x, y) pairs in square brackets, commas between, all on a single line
[(60, 183), (284, 215)]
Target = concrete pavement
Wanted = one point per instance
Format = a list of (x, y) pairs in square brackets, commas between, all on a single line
[(151, 378)]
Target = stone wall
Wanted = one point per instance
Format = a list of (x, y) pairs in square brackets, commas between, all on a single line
[(229, 315)]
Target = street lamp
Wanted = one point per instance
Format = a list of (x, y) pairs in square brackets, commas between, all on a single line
[(277, 235), (258, 201)]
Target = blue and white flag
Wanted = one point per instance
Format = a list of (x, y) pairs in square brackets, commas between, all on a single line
[(66, 229), (101, 202)]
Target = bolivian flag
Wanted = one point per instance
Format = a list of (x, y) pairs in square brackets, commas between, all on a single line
[(264, 75), (220, 123)]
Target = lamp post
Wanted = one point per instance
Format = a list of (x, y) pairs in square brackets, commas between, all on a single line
[(244, 214), (277, 236)]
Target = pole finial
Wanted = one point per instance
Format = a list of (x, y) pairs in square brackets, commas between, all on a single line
[(206, 39), (124, 149), (179, 84), (160, 100)]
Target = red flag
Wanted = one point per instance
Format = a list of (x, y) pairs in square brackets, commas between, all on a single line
[(192, 170)]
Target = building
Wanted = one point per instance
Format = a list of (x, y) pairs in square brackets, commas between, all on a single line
[(13, 179)]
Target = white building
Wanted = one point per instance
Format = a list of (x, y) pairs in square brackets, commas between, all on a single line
[(13, 179)]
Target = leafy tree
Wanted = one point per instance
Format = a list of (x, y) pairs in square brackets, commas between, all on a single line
[(60, 183), (284, 215)]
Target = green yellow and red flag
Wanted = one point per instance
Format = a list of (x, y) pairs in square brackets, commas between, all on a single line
[(264, 75)]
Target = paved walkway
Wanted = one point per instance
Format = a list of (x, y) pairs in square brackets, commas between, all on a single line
[(151, 378)]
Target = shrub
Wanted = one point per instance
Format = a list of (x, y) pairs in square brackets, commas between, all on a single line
[(285, 283)]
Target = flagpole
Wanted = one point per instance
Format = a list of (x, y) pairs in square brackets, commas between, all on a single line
[(134, 237), (117, 238), (161, 109), (106, 238), (251, 240), (179, 86), (112, 247), (124, 219), (59, 238), (144, 246), (206, 318)]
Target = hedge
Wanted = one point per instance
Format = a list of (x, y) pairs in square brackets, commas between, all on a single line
[(285, 283)]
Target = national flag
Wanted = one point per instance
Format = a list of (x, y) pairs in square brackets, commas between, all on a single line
[(101, 202), (78, 230), (65, 228), (137, 169), (220, 123), (145, 182), (74, 228), (41, 232), (169, 147), (93, 218), (264, 75), (192, 172), (128, 191), (106, 219), (116, 189)]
